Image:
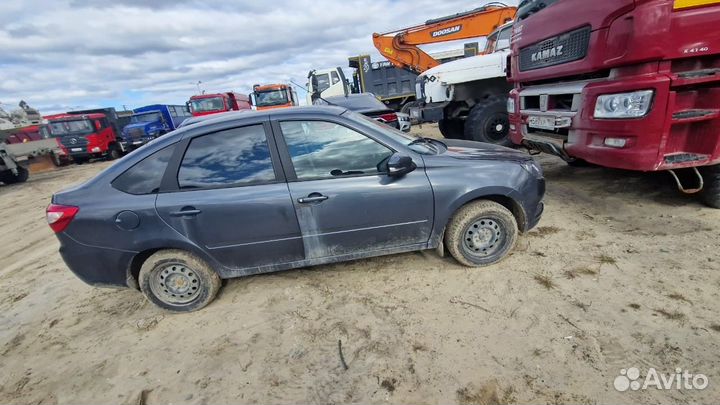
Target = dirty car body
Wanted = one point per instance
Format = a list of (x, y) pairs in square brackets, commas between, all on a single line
[(265, 205)]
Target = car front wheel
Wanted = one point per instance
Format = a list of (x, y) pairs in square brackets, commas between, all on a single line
[(481, 233), (178, 281)]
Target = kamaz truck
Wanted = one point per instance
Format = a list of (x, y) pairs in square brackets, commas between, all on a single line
[(150, 122), (627, 84)]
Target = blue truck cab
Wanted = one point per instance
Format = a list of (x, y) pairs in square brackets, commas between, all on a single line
[(152, 121)]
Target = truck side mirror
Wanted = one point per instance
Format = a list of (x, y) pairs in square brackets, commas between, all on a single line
[(98, 126)]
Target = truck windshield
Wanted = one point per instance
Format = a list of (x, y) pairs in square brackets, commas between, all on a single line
[(207, 104), (498, 40), (60, 128), (530, 7), (146, 117), (323, 82), (271, 97)]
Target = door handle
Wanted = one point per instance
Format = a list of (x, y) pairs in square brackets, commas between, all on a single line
[(313, 197), (189, 212)]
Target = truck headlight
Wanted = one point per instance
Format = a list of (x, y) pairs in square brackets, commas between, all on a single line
[(511, 105), (624, 105)]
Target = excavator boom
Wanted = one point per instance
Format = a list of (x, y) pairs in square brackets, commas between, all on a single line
[(400, 47)]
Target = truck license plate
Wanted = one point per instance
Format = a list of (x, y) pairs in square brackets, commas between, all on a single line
[(76, 150), (416, 113), (542, 122)]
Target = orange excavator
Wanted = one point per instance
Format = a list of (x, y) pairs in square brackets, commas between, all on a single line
[(400, 47)]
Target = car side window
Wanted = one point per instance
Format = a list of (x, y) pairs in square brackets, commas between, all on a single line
[(145, 176), (321, 149), (233, 157)]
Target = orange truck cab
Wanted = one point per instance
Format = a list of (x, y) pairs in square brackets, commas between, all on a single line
[(206, 104), (271, 96)]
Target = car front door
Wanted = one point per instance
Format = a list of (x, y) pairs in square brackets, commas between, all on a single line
[(344, 202), (232, 200)]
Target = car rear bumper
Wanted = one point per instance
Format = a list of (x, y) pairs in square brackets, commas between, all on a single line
[(96, 266)]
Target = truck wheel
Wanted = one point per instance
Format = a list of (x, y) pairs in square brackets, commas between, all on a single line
[(178, 281), (481, 233), (710, 195), (113, 152), (9, 178), (451, 128), (488, 122)]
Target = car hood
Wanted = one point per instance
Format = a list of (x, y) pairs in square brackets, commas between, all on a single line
[(471, 150), (463, 70)]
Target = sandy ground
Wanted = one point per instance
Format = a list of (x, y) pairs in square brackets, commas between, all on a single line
[(622, 272)]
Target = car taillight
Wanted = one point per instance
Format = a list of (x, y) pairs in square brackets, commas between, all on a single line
[(59, 216), (390, 117)]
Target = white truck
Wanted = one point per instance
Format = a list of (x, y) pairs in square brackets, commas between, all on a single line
[(468, 97)]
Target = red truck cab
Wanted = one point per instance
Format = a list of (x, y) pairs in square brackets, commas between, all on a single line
[(628, 84), (206, 104), (85, 136)]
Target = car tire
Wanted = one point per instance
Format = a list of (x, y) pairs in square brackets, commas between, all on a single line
[(488, 122), (195, 283), (21, 177), (710, 194), (481, 233), (451, 128)]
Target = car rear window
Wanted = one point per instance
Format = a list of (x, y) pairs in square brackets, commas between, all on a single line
[(234, 157), (146, 175)]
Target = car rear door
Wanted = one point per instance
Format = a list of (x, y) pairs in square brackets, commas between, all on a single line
[(344, 204), (231, 199)]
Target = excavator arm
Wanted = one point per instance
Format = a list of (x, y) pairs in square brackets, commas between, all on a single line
[(400, 47)]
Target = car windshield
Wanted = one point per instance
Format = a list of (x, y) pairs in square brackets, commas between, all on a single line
[(146, 117), (207, 104), (270, 97), (425, 148), (60, 128)]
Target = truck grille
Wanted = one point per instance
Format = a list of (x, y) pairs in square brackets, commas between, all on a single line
[(561, 49), (74, 141), (136, 132)]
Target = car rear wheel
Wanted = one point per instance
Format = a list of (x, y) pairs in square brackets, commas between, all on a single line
[(178, 281), (481, 233)]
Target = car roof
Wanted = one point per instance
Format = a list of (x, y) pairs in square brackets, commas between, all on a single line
[(211, 119)]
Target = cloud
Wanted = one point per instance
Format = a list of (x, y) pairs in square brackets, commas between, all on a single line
[(63, 54)]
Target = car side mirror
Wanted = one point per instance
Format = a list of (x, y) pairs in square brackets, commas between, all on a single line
[(399, 165)]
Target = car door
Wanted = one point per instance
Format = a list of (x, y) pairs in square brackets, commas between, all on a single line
[(344, 203), (232, 200)]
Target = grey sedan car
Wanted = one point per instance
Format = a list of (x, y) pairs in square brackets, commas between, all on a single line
[(258, 192)]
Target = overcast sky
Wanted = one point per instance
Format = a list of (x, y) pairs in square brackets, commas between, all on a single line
[(67, 54)]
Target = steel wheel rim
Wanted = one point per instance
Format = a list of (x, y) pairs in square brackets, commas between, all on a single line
[(483, 238), (497, 127), (176, 283)]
